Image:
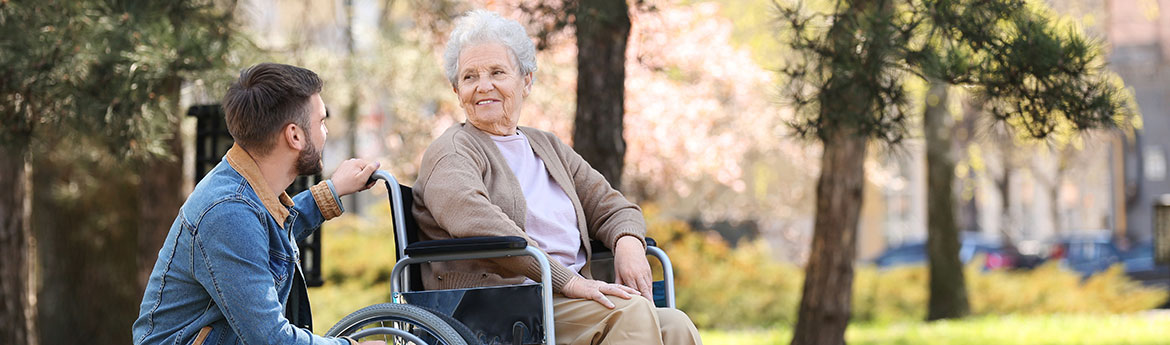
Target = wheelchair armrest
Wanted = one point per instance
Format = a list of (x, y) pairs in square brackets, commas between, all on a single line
[(467, 244), (599, 247)]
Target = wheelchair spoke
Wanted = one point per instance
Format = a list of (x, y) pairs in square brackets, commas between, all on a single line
[(384, 337), (399, 324)]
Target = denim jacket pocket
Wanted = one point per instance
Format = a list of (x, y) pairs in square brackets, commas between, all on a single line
[(281, 266), (218, 333), (202, 336)]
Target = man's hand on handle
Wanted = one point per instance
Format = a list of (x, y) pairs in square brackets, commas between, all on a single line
[(353, 175)]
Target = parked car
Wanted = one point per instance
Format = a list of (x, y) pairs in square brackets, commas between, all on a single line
[(1140, 265), (1086, 252), (914, 253)]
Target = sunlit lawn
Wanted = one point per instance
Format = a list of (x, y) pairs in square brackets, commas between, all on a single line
[(1143, 329)]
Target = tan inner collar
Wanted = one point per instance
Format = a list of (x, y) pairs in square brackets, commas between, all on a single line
[(277, 204)]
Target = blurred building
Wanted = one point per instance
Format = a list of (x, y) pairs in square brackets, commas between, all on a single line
[(1139, 35), (1028, 194), (1023, 194)]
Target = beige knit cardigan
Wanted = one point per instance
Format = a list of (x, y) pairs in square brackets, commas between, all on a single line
[(465, 188)]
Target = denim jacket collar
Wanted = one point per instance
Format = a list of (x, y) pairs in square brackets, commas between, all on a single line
[(277, 205)]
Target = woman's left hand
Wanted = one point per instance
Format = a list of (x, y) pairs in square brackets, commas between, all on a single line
[(631, 267)]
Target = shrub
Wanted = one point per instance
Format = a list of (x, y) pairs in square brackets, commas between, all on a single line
[(1051, 289), (889, 295), (743, 287), (357, 257), (722, 287), (901, 294)]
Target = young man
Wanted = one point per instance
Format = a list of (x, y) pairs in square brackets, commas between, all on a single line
[(225, 272)]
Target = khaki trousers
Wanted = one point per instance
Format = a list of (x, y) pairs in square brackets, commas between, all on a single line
[(633, 321)]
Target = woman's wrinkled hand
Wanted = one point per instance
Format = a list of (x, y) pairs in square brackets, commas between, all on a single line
[(631, 267), (596, 290)]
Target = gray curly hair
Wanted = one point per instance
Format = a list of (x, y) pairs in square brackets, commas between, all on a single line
[(482, 26)]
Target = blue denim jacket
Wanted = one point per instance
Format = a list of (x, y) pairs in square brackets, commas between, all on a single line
[(229, 260)]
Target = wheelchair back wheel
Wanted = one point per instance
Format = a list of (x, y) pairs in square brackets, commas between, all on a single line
[(387, 322)]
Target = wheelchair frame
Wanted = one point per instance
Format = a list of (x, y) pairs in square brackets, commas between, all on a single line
[(399, 276)]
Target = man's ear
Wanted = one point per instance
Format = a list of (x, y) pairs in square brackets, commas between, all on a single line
[(293, 136)]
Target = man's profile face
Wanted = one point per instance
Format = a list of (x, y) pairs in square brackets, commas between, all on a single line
[(309, 162)]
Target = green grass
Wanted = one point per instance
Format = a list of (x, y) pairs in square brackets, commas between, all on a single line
[(358, 254), (1136, 329)]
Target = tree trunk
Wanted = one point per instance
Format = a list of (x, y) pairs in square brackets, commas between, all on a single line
[(87, 243), (160, 190), (948, 291), (603, 27), (1064, 155), (1006, 146), (355, 100), (825, 304), (16, 311)]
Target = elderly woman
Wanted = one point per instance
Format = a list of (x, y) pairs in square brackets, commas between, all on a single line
[(490, 177)]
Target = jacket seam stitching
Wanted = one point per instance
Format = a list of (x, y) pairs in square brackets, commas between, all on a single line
[(162, 285), (214, 282), (207, 263)]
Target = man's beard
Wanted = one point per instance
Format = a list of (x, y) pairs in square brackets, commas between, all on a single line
[(309, 160)]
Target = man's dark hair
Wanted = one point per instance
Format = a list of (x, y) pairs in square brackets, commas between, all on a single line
[(264, 99)]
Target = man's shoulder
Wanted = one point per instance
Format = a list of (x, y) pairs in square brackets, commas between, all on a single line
[(222, 190)]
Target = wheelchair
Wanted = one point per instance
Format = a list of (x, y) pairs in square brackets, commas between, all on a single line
[(512, 314)]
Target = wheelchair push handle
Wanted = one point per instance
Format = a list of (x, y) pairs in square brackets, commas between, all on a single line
[(396, 202), (381, 175)]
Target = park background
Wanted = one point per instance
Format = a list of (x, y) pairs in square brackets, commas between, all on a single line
[(711, 153)]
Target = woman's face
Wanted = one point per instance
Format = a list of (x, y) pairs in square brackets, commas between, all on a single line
[(490, 87)]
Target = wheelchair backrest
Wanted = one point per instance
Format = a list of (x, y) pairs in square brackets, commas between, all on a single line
[(409, 231), (406, 230)]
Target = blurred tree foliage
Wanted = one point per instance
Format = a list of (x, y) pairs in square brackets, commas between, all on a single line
[(848, 86), (602, 30), (97, 67), (90, 93), (700, 131), (393, 79)]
